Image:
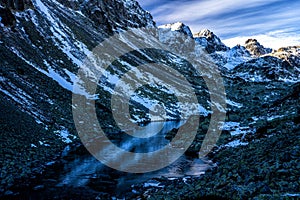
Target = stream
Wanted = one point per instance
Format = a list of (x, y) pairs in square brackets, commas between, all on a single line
[(85, 175)]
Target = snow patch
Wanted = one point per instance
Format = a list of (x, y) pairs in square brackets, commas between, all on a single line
[(289, 80), (64, 83), (275, 117), (233, 58), (65, 135), (62, 37), (235, 104), (235, 129), (178, 26), (291, 195), (153, 183), (44, 144), (236, 143)]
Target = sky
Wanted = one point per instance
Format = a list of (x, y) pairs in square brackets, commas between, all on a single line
[(275, 23)]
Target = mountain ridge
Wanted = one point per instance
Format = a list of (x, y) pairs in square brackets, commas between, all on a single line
[(43, 44)]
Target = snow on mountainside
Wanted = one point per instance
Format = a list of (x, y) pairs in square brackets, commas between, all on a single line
[(210, 41), (267, 69), (228, 59), (242, 68), (178, 27), (54, 39), (231, 58), (43, 44)]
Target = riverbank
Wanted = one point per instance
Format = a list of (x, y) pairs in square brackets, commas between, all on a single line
[(267, 168), (77, 174)]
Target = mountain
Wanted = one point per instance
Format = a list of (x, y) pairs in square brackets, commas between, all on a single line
[(42, 45), (261, 128), (178, 27), (210, 41), (51, 55), (255, 48), (289, 54)]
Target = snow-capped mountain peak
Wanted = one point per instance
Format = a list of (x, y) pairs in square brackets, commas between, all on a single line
[(210, 41), (179, 27)]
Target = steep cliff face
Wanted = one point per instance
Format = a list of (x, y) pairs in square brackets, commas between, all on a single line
[(255, 48), (178, 27), (290, 54), (42, 45), (210, 41), (50, 40), (114, 15)]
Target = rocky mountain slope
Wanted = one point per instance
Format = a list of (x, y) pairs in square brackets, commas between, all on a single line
[(255, 48), (259, 144), (44, 43)]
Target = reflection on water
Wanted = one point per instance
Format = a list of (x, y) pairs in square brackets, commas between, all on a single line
[(87, 171), (154, 142)]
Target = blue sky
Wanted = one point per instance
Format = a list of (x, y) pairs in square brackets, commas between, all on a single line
[(274, 23)]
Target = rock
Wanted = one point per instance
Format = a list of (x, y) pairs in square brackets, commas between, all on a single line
[(178, 27), (7, 18), (210, 41), (39, 61), (39, 187), (233, 117), (255, 48), (6, 8), (289, 54), (113, 15), (286, 157), (239, 51), (266, 69), (18, 5), (9, 193)]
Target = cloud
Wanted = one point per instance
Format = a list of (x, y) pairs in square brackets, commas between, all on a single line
[(149, 3), (180, 10), (230, 18)]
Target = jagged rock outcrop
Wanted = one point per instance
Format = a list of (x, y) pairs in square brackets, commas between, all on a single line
[(210, 41), (255, 48), (239, 51), (177, 35), (231, 58), (290, 54), (267, 69), (178, 27), (113, 13), (106, 15)]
